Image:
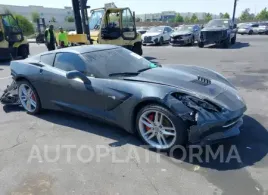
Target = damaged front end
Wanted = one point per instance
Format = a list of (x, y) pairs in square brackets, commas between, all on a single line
[(207, 122), (10, 95)]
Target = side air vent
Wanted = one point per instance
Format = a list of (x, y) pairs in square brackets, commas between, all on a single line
[(202, 81)]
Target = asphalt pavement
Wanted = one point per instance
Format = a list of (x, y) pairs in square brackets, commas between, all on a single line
[(34, 159)]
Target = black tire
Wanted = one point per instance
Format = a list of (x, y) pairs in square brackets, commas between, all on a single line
[(233, 40), (161, 41), (137, 48), (226, 43), (192, 41), (201, 44), (38, 102), (250, 32), (23, 51), (180, 126), (144, 45)]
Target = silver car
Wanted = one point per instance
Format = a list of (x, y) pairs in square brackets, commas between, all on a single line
[(185, 35), (248, 29)]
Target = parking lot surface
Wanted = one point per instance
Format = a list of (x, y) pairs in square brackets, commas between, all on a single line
[(124, 166)]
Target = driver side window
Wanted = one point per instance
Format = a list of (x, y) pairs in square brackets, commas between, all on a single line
[(71, 61)]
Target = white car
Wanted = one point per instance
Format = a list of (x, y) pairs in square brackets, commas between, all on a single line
[(248, 29), (157, 35), (263, 28)]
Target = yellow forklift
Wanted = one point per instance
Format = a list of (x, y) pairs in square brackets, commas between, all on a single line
[(107, 25), (12, 42)]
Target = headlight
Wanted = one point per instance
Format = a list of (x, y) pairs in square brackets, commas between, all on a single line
[(196, 103)]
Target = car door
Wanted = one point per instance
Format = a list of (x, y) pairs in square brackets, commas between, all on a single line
[(167, 32), (74, 94), (255, 28)]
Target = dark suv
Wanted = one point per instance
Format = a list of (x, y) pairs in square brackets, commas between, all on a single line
[(218, 31)]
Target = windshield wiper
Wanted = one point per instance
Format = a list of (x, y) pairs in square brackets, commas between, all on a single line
[(124, 74)]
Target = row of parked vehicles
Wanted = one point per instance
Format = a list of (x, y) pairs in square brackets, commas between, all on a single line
[(217, 31), (253, 28)]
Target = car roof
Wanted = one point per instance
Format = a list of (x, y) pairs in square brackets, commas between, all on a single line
[(84, 49)]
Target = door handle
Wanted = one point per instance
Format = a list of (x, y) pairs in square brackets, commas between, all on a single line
[(41, 71)]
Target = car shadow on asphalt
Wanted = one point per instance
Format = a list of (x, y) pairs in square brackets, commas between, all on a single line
[(237, 45)]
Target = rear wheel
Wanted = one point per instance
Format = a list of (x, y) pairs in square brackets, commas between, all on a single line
[(159, 128), (29, 98)]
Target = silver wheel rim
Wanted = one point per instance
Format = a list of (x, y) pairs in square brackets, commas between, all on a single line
[(159, 131), (27, 98)]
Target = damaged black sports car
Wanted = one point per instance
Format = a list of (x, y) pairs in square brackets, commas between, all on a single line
[(165, 106)]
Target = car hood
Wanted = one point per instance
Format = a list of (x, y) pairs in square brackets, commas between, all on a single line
[(183, 78), (152, 34), (214, 29), (181, 33)]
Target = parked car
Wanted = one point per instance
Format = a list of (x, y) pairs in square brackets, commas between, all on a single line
[(263, 28), (185, 35), (157, 35), (142, 30), (218, 31), (164, 106), (248, 28)]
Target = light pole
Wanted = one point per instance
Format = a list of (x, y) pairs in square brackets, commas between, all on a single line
[(235, 2)]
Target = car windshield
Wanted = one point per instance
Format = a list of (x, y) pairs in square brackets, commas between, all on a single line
[(117, 61), (218, 23), (185, 28), (156, 29)]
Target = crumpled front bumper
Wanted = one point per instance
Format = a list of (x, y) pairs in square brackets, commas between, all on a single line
[(207, 127)]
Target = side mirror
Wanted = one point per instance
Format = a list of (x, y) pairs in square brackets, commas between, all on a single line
[(76, 74)]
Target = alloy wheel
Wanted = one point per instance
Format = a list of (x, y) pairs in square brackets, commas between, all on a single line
[(157, 129), (27, 98)]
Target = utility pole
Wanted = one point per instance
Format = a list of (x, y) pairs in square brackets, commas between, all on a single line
[(235, 2)]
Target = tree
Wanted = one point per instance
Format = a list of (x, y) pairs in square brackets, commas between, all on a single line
[(263, 15), (226, 15), (207, 17), (69, 19), (35, 16), (221, 15), (246, 15), (53, 19), (194, 19), (187, 19), (138, 20), (7, 11), (178, 18), (25, 25)]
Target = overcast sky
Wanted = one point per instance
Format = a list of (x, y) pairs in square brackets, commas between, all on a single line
[(153, 6)]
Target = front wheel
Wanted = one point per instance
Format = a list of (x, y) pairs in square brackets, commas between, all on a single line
[(29, 98), (161, 41), (160, 128), (200, 44), (233, 40)]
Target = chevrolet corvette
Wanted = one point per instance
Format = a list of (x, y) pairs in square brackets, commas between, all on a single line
[(164, 106)]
